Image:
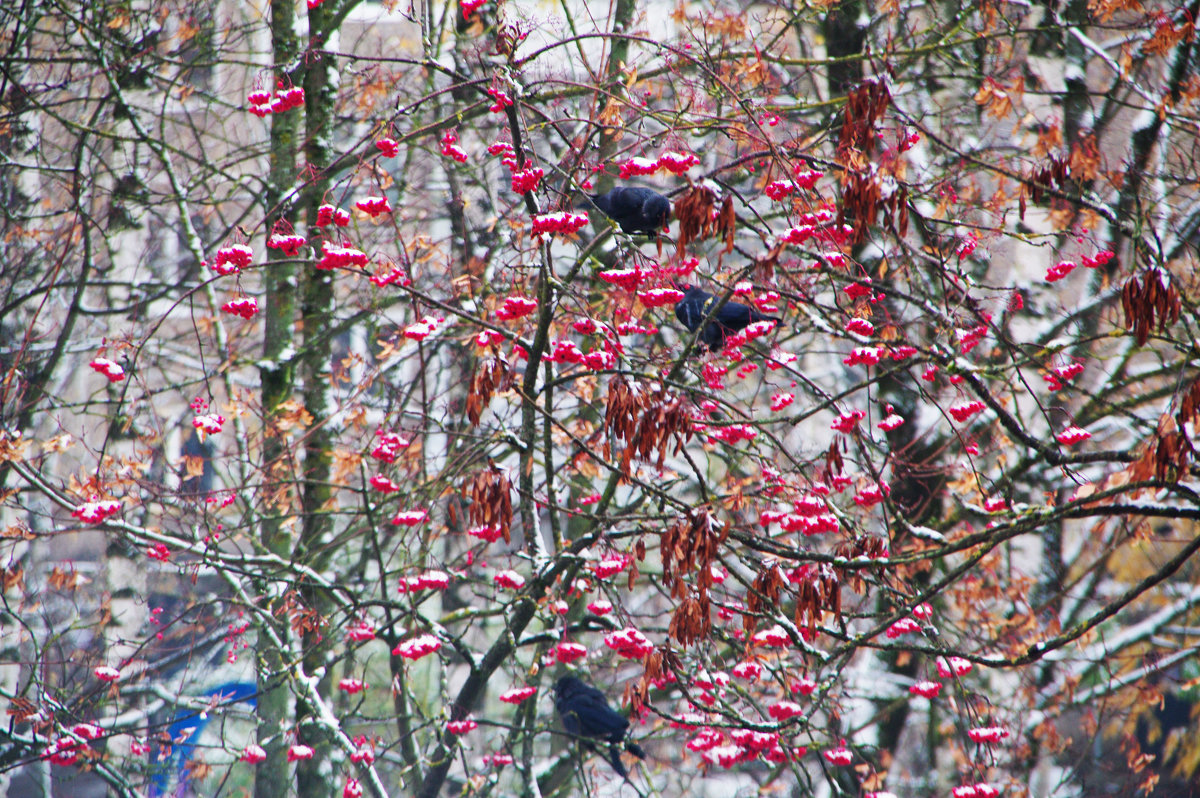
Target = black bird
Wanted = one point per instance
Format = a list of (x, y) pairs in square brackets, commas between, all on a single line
[(637, 210), (586, 714), (733, 316)]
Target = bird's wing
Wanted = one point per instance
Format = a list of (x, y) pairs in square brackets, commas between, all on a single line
[(626, 207), (566, 711), (594, 716), (736, 315), (601, 720), (570, 722)]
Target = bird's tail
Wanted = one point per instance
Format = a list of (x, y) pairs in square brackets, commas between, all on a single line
[(588, 201), (635, 749), (614, 756)]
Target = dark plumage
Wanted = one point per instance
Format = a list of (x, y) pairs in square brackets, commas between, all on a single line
[(585, 714), (731, 318), (637, 210)]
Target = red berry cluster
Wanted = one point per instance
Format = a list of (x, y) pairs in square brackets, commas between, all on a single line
[(334, 256), (560, 222), (243, 306), (388, 147), (450, 149), (657, 297), (526, 180), (263, 102), (374, 206), (502, 100), (232, 259), (674, 162), (515, 307), (288, 243), (328, 214), (109, 368)]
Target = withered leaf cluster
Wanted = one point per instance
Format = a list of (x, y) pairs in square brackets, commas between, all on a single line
[(490, 496), (763, 598), (865, 105), (1189, 405), (1153, 297), (834, 463), (765, 263), (495, 373), (1054, 175), (12, 577), (658, 664), (1171, 453), (692, 619), (1165, 456), (647, 419), (1172, 448), (867, 546), (22, 710), (60, 579), (691, 543), (863, 199), (817, 592), (1086, 158), (697, 220), (303, 618), (863, 195)]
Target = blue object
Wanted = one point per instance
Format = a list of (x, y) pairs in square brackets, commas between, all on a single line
[(193, 722)]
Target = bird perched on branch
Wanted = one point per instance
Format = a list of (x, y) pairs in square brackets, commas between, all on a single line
[(733, 316), (585, 714), (635, 209)]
